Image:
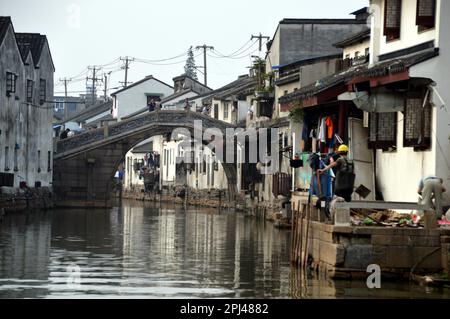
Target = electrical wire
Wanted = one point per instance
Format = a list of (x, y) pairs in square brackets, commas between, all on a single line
[(237, 52), (171, 63), (161, 60)]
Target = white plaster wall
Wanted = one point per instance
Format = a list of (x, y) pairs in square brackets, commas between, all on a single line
[(409, 34), (273, 57), (243, 107), (168, 162), (399, 172), (133, 180), (357, 47), (199, 180), (135, 98)]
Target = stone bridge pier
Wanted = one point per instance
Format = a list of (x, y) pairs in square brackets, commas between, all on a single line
[(85, 165)]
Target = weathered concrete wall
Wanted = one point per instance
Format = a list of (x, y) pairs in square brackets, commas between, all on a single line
[(26, 127), (302, 41)]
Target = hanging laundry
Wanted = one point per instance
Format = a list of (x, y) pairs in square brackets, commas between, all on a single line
[(329, 123), (322, 131)]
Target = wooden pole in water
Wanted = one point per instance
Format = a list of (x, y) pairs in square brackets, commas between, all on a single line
[(294, 233), (305, 255), (300, 235)]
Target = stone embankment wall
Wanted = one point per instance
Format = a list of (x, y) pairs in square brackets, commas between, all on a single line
[(346, 251), (16, 199), (205, 198)]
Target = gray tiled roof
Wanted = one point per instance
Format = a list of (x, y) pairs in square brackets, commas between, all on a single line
[(89, 112), (4, 24), (33, 42), (355, 38), (393, 66)]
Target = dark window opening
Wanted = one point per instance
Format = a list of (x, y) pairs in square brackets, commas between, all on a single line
[(49, 161), (11, 79), (29, 91), (383, 131), (264, 108), (392, 19), (426, 14), (39, 162), (417, 122), (42, 91)]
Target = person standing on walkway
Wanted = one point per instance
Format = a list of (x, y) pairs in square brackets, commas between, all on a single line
[(345, 174), (151, 105), (429, 187)]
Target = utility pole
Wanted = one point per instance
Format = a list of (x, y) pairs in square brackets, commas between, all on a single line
[(66, 112), (205, 47), (106, 85), (260, 38), (94, 81), (126, 67)]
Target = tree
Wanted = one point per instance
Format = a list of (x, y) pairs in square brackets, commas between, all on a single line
[(189, 68)]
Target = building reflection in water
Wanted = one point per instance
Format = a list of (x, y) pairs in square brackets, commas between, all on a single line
[(147, 250)]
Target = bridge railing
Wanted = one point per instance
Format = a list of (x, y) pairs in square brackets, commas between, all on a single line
[(159, 116)]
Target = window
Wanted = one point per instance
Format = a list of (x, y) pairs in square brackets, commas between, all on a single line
[(39, 162), (49, 161), (216, 111), (225, 110), (42, 91), (383, 131), (16, 159), (10, 83), (392, 19), (7, 158), (29, 91), (417, 122), (367, 52), (356, 54), (426, 14)]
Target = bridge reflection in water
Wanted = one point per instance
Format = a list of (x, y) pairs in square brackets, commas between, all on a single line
[(144, 250)]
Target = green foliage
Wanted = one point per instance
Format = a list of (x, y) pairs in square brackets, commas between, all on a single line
[(296, 114), (189, 68)]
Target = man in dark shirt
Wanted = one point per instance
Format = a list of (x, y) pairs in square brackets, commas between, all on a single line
[(64, 134), (344, 172)]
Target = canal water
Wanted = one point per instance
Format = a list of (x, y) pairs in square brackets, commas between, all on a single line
[(148, 250)]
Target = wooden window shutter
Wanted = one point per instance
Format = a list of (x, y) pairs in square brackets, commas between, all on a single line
[(426, 13), (392, 18)]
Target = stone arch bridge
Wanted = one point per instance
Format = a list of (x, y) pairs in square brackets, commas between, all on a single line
[(84, 165)]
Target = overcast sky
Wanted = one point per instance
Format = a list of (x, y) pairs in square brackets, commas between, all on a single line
[(83, 33)]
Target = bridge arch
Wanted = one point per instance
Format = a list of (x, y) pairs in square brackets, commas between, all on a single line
[(84, 165)]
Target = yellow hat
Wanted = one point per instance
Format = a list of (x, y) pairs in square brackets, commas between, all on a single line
[(343, 148)]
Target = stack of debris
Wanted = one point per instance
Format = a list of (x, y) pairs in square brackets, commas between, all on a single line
[(384, 218)]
